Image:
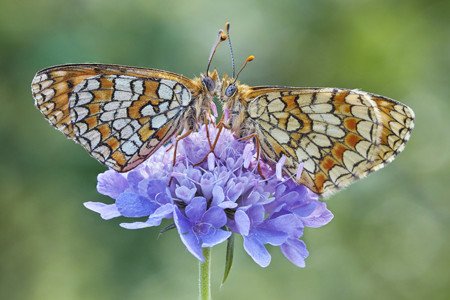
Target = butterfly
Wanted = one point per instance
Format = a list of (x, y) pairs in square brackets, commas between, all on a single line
[(120, 114), (327, 137)]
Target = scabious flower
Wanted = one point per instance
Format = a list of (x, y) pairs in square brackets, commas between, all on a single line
[(209, 199)]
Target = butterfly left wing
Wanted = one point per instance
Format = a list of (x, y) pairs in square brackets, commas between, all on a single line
[(119, 114), (338, 135)]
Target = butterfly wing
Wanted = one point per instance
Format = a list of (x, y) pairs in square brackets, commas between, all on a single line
[(338, 135), (119, 114)]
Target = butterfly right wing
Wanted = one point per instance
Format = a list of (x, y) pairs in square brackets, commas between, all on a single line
[(338, 135), (119, 114)]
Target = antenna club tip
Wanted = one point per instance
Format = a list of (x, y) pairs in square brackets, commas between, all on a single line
[(227, 26), (223, 36), (250, 58)]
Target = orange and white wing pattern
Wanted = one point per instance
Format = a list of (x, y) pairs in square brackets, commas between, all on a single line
[(119, 114), (338, 135), (398, 121)]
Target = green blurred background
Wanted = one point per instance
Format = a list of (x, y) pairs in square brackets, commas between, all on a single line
[(390, 235)]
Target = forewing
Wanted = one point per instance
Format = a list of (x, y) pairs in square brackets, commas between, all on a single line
[(120, 115), (338, 135)]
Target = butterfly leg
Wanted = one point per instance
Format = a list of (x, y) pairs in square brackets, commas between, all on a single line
[(220, 127), (258, 149), (170, 148), (179, 138), (258, 156), (206, 122)]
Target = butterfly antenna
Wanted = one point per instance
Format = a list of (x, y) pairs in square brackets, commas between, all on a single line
[(227, 26), (220, 38), (249, 59)]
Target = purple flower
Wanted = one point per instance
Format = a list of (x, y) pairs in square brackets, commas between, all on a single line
[(209, 196)]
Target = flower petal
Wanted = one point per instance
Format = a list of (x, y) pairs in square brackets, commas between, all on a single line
[(279, 167), (235, 191), (207, 185), (155, 187), (305, 209), (215, 216), (134, 206), (227, 204), (256, 214), (247, 155), (287, 223), (299, 172), (242, 222), (222, 175), (211, 161), (195, 210), (217, 195), (136, 225), (134, 177), (253, 198), (257, 251), (193, 174), (295, 251), (268, 235), (106, 211), (164, 197), (216, 237), (187, 236), (163, 211), (111, 183), (184, 193), (319, 217), (291, 198)]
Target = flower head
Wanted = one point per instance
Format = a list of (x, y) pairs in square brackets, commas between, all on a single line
[(209, 196)]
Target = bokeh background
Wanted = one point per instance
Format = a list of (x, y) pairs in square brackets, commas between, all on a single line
[(390, 235)]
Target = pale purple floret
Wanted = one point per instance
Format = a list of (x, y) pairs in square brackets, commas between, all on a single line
[(222, 195), (257, 230), (200, 226)]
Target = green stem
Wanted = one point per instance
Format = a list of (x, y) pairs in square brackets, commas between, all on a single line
[(204, 276)]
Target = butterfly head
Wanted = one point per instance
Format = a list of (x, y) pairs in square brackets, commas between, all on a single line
[(230, 85), (210, 82), (229, 89)]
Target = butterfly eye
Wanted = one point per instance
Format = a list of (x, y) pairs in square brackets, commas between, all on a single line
[(209, 83), (231, 89)]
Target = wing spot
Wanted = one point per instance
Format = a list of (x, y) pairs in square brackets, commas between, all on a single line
[(276, 105), (158, 121), (293, 123)]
